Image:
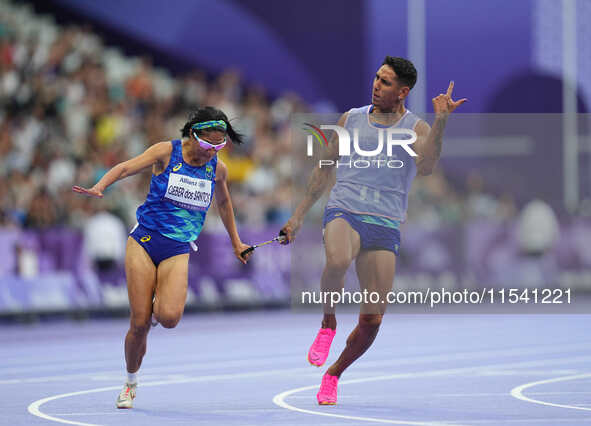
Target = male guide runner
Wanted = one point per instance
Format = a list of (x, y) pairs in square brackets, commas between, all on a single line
[(365, 208)]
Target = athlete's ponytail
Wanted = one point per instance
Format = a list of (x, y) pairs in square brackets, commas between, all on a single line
[(209, 113)]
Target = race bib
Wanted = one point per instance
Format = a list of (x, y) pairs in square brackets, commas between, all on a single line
[(188, 192)]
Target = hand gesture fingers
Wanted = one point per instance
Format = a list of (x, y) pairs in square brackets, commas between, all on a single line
[(458, 102), (450, 89), (444, 104)]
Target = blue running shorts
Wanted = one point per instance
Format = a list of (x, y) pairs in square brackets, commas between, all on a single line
[(157, 245), (373, 237)]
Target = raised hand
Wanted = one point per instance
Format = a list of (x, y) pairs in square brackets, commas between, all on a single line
[(443, 104), (92, 192)]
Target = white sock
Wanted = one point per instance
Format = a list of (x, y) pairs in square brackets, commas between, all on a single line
[(131, 378)]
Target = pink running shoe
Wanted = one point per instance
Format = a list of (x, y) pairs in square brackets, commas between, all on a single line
[(319, 350), (327, 395)]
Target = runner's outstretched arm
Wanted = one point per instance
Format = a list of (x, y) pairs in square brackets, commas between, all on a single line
[(317, 184)]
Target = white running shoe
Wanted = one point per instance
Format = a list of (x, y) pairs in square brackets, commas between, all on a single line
[(125, 399)]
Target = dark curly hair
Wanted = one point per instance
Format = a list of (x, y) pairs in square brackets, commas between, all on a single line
[(404, 69), (209, 113)]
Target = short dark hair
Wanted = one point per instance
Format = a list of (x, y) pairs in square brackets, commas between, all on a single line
[(404, 69), (209, 113)]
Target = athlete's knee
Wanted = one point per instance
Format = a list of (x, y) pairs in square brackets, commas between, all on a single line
[(169, 318), (170, 322), (139, 325), (371, 321), (337, 263)]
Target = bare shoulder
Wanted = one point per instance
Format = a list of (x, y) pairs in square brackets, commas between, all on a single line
[(332, 151), (221, 172), (161, 148), (159, 152)]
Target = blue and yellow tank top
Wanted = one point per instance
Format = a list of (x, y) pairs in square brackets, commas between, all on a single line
[(179, 197)]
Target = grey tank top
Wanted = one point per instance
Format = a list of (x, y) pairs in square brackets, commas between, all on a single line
[(366, 185)]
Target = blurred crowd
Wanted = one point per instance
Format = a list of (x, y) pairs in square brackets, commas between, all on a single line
[(72, 107)]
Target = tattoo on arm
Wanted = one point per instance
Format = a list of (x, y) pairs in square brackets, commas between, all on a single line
[(319, 179), (321, 176), (438, 128), (317, 183), (432, 146)]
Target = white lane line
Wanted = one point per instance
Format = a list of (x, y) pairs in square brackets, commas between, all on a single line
[(34, 407), (200, 364), (517, 391), (410, 360), (477, 354), (108, 374), (279, 399), (458, 395), (196, 364)]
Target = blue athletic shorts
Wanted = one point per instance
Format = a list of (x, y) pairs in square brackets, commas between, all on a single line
[(157, 245), (373, 237)]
